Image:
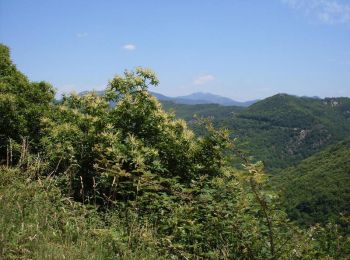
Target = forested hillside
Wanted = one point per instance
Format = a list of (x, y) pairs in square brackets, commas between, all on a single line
[(281, 130), (318, 189), (81, 179), (213, 111), (285, 130)]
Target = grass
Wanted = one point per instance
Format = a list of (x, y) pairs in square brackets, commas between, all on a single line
[(37, 222)]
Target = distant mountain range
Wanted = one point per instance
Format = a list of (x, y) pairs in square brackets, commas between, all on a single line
[(203, 98), (196, 99)]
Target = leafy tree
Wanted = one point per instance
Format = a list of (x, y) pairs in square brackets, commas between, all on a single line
[(22, 105), (117, 147)]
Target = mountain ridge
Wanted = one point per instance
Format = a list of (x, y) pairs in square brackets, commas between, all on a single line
[(209, 98), (196, 98), (280, 130)]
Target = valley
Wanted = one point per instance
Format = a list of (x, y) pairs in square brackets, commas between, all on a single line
[(281, 130), (303, 143)]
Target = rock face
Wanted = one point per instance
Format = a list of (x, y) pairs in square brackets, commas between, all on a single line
[(302, 135), (331, 102)]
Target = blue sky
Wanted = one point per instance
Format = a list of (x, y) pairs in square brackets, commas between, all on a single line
[(243, 49)]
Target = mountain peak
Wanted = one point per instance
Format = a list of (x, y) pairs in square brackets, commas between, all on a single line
[(208, 98)]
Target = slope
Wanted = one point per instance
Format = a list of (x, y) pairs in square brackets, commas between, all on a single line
[(318, 189), (281, 130), (214, 111)]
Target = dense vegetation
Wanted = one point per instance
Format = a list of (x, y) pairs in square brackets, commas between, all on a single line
[(287, 129), (318, 189), (81, 179), (38, 222), (213, 111), (281, 130), (22, 104)]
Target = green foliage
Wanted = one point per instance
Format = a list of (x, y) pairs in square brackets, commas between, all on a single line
[(37, 222), (318, 189), (213, 111), (225, 217), (281, 130), (22, 104), (119, 147), (222, 218), (131, 181)]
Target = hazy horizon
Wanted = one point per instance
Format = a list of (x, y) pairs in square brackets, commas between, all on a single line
[(244, 50)]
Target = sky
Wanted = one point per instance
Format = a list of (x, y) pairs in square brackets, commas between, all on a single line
[(242, 49)]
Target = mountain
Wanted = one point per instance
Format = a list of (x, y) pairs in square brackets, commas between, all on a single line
[(208, 98), (161, 96), (195, 99), (317, 189), (214, 111), (280, 130), (299, 139)]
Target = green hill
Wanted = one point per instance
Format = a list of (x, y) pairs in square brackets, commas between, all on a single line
[(281, 130), (214, 111), (318, 189)]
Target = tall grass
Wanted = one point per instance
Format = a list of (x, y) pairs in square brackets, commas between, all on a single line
[(37, 222)]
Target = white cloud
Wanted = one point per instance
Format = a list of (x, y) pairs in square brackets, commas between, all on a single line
[(203, 79), (82, 34), (129, 47), (327, 11)]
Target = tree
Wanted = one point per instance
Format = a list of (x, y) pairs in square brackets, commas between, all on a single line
[(22, 105)]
